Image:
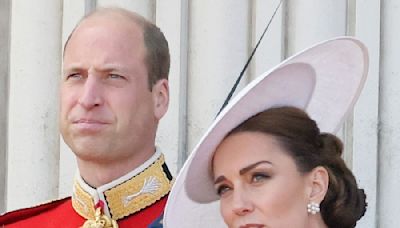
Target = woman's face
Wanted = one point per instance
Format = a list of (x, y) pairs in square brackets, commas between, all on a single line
[(259, 183)]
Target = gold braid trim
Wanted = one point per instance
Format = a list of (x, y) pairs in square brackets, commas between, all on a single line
[(127, 198), (82, 202), (139, 192)]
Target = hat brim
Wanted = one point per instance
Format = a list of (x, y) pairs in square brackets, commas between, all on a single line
[(324, 80)]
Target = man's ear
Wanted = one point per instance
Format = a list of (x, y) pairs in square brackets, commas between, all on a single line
[(319, 183), (160, 93)]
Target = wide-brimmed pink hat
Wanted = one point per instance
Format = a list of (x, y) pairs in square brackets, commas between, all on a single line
[(324, 80)]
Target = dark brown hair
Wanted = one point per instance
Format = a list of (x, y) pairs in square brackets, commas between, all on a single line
[(158, 57), (344, 204)]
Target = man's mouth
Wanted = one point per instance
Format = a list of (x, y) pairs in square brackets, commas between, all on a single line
[(88, 121), (252, 226), (89, 125)]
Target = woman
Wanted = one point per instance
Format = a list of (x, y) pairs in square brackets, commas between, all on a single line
[(279, 162), (266, 161)]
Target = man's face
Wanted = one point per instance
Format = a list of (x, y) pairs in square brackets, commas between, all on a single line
[(108, 112)]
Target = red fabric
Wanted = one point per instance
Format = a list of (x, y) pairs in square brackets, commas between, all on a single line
[(61, 214)]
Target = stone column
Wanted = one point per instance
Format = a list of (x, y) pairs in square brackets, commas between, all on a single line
[(5, 7), (311, 21), (365, 24), (219, 45), (33, 139), (389, 112)]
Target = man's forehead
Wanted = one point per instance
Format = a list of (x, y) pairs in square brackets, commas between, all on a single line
[(112, 20), (105, 39)]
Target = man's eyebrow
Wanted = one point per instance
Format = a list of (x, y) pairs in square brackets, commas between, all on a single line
[(110, 67), (219, 179), (103, 68), (252, 166), (72, 67)]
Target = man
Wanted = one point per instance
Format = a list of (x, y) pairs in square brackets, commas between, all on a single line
[(114, 90)]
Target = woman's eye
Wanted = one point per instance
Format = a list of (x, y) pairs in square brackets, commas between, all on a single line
[(222, 189), (257, 177)]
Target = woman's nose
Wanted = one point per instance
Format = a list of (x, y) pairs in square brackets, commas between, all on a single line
[(242, 203)]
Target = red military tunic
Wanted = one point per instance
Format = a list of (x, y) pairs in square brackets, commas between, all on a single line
[(134, 200), (61, 214)]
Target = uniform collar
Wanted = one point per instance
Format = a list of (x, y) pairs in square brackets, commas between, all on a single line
[(126, 195)]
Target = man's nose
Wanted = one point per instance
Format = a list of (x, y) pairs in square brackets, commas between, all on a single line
[(242, 203), (92, 94)]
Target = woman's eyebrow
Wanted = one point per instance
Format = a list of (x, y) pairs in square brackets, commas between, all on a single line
[(219, 179), (252, 166)]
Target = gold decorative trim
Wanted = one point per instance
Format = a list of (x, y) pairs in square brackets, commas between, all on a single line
[(83, 202), (139, 192), (129, 197)]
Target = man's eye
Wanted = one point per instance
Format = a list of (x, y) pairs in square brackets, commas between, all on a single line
[(74, 76), (115, 76), (223, 189)]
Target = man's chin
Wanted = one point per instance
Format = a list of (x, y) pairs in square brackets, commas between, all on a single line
[(90, 149)]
